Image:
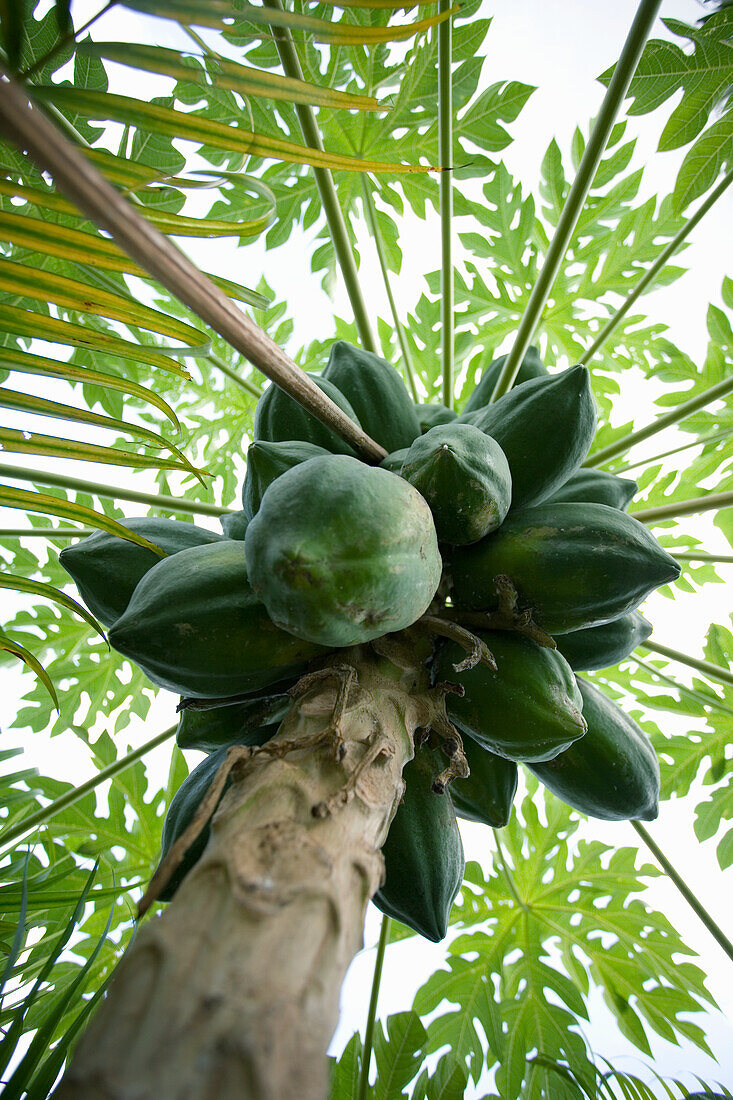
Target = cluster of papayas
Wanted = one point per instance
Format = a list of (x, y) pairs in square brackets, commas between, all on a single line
[(487, 520)]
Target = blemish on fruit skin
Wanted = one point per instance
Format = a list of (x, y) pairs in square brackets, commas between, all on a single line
[(185, 630)]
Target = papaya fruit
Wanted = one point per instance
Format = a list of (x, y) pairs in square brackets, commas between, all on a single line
[(529, 708), (487, 794), (195, 627), (186, 802), (545, 428), (601, 646), (573, 565), (393, 462), (612, 773), (595, 487), (531, 367), (267, 461), (376, 393), (341, 552), (234, 524), (106, 568), (464, 476), (279, 418), (430, 415), (423, 853), (220, 726)]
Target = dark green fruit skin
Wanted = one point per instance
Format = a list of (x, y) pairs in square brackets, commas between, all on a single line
[(393, 462), (195, 627), (210, 730), (596, 487), (429, 416), (464, 476), (612, 773), (341, 552), (531, 367), (486, 796), (602, 646), (186, 802), (377, 395), (106, 569), (279, 418), (268, 461), (234, 525), (573, 565), (545, 428), (423, 853), (529, 709)]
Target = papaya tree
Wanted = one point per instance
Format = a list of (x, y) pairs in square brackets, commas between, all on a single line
[(423, 602)]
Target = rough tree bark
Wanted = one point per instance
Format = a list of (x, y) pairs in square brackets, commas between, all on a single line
[(233, 991)]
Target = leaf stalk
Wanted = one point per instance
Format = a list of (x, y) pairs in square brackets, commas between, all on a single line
[(113, 492), (445, 131), (290, 62), (685, 409), (614, 97), (657, 266), (376, 233), (713, 928), (44, 815), (366, 1056), (708, 668), (710, 503)]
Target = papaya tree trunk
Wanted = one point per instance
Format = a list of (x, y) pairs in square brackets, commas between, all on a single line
[(232, 993)]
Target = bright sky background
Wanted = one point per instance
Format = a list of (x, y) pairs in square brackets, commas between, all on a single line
[(561, 47)]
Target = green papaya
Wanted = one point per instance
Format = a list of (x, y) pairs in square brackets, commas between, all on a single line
[(529, 708), (279, 417), (531, 367), (376, 393), (267, 461), (186, 802), (611, 773), (106, 568), (601, 646), (545, 428), (573, 565), (216, 727), (429, 416), (234, 524), (423, 853), (487, 794), (595, 487), (341, 552), (195, 627), (464, 476), (393, 462)]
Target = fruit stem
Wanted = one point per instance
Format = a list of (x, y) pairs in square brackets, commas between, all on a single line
[(366, 1055), (657, 266), (445, 153), (376, 233), (711, 502), (713, 393), (113, 492), (715, 672), (614, 97), (324, 182), (701, 441), (42, 816), (714, 929)]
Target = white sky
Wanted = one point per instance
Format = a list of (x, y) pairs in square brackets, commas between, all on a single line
[(561, 47)]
